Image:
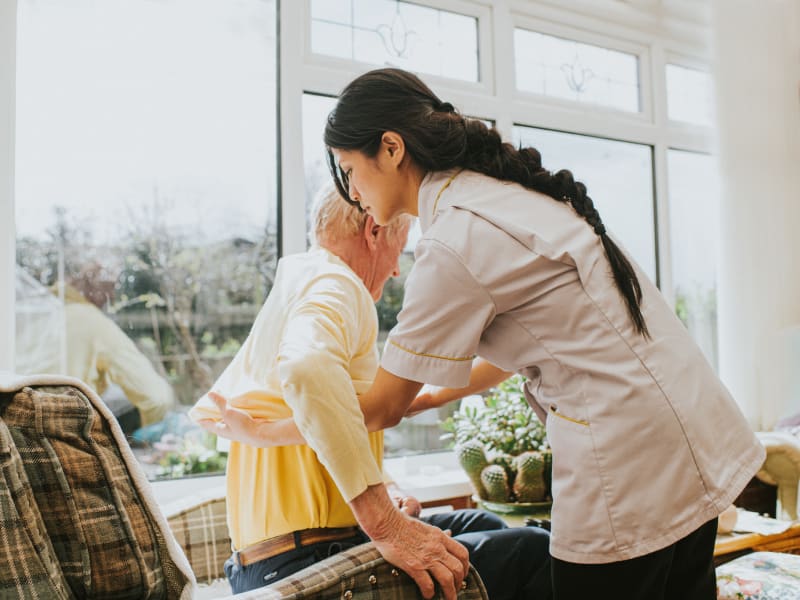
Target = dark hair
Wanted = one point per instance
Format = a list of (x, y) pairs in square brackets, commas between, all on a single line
[(438, 138)]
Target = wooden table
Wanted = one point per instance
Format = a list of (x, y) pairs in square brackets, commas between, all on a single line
[(733, 545)]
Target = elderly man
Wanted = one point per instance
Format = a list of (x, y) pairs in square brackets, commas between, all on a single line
[(312, 349)]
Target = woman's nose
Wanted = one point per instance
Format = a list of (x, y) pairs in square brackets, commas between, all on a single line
[(353, 192)]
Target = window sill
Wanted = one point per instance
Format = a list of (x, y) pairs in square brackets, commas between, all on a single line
[(427, 477)]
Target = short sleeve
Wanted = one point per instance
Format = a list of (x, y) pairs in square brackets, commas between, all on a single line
[(445, 312)]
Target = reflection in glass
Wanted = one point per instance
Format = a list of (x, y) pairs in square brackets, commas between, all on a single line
[(563, 68), (695, 238), (395, 33), (146, 187), (619, 179), (689, 95)]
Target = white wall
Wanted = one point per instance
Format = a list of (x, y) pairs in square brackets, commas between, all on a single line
[(757, 64), (8, 20)]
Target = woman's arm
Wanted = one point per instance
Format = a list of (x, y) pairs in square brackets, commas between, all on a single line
[(483, 376), (384, 405), (387, 400)]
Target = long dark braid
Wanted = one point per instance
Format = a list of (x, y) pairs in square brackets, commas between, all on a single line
[(438, 138)]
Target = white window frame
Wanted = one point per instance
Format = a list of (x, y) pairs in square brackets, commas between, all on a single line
[(639, 50), (8, 42), (658, 32)]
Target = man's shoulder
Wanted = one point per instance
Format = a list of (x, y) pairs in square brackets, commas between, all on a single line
[(319, 271)]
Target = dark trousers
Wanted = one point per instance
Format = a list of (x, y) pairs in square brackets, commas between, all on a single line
[(514, 563), (682, 571)]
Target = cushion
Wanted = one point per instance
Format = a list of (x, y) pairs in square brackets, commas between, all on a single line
[(201, 528), (760, 576)]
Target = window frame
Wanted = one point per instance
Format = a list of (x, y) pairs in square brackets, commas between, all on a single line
[(569, 33), (479, 11)]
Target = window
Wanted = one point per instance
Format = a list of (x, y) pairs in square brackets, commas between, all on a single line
[(146, 201), (619, 180), (395, 33), (571, 70), (689, 95), (155, 124), (694, 209)]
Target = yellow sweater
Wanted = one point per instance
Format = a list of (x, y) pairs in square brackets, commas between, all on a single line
[(310, 351)]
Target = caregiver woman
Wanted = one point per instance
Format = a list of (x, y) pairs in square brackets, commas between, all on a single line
[(516, 266)]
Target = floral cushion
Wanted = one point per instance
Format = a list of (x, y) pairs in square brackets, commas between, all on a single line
[(760, 576)]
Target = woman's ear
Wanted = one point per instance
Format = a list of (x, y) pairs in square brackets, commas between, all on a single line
[(371, 230), (393, 146)]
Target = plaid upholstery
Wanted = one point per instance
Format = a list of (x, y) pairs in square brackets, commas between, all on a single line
[(362, 572), (202, 532), (74, 522)]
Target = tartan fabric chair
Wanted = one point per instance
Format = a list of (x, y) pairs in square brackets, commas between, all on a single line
[(356, 574), (77, 515), (200, 526)]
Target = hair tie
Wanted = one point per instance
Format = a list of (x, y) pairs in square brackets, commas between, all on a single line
[(600, 229), (445, 107)]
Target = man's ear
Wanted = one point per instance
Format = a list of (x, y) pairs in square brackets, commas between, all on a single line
[(371, 230), (393, 146)]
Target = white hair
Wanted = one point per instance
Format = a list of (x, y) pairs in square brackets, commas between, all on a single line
[(332, 218)]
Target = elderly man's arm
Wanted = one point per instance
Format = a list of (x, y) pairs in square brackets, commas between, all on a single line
[(483, 376)]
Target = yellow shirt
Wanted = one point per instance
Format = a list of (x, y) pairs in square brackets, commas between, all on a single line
[(311, 350)]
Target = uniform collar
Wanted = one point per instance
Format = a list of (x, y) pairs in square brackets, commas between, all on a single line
[(433, 184)]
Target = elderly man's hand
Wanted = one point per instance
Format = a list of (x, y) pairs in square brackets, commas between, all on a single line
[(427, 554)]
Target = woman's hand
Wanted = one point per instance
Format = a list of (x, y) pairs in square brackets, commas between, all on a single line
[(237, 425), (407, 504), (427, 398)]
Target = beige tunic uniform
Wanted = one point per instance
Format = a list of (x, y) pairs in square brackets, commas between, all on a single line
[(647, 443)]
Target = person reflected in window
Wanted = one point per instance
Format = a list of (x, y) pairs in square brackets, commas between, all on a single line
[(79, 340), (311, 350)]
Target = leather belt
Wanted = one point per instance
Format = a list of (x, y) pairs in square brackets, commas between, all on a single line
[(293, 541)]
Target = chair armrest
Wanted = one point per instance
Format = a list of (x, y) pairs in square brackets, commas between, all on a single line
[(360, 570), (782, 467)]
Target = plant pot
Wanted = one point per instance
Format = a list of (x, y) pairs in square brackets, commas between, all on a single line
[(515, 508)]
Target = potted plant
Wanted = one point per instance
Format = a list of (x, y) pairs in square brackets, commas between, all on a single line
[(502, 446)]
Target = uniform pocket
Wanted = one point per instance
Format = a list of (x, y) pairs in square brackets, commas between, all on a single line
[(556, 413)]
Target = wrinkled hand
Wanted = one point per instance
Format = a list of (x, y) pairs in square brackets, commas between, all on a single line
[(235, 424), (427, 554)]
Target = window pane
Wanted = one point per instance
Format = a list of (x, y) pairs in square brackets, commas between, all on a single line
[(400, 34), (146, 186), (619, 179), (689, 95), (695, 237), (571, 70)]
